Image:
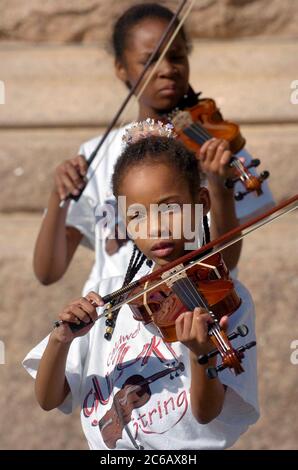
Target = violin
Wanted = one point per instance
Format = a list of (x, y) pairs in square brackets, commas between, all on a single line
[(198, 120), (207, 284), (134, 393)]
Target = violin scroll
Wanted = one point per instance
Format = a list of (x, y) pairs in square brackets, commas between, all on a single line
[(250, 182), (197, 120), (212, 372), (227, 357)]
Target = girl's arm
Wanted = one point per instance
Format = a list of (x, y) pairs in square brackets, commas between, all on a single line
[(214, 157), (206, 395), (223, 219), (56, 243), (51, 386)]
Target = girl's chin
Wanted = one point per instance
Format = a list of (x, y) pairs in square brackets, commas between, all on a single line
[(166, 104), (164, 261)]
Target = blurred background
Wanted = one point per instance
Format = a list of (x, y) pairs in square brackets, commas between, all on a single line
[(60, 90)]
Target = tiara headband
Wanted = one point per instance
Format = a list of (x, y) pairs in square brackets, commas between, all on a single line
[(141, 130)]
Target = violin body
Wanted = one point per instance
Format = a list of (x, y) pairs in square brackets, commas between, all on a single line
[(197, 120), (208, 115), (162, 306), (134, 393)]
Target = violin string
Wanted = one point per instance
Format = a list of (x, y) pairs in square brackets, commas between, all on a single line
[(180, 291), (244, 230), (195, 299), (215, 329), (196, 132)]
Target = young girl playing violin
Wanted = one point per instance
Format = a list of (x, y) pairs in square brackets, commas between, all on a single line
[(135, 35), (123, 386)]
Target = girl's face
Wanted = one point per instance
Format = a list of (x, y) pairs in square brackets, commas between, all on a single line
[(169, 82), (155, 195)]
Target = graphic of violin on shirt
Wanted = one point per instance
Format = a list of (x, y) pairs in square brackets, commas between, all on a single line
[(134, 393)]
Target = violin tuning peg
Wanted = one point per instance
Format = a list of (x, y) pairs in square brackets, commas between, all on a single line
[(177, 374), (239, 196), (242, 330), (211, 373), (247, 346), (230, 182), (264, 175), (252, 344), (203, 359), (254, 163), (171, 377)]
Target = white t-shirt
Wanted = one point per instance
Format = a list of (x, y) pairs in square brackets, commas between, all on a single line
[(151, 380), (83, 214)]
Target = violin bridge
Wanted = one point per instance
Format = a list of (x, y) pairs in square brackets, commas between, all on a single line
[(181, 119), (210, 266), (174, 275)]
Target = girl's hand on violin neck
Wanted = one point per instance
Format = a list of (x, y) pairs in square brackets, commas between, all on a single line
[(82, 309), (192, 330), (70, 177), (214, 157)]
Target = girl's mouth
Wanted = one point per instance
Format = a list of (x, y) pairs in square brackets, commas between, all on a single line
[(162, 249), (169, 89), (168, 92)]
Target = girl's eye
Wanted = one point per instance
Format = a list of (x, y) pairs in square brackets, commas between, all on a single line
[(178, 58), (137, 216), (173, 207)]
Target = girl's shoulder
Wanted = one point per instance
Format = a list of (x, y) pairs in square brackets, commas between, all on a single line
[(112, 145)]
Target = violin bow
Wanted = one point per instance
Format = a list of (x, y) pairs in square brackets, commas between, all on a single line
[(192, 258), (167, 33), (200, 255)]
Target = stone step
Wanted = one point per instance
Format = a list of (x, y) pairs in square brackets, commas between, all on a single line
[(75, 85), (28, 158)]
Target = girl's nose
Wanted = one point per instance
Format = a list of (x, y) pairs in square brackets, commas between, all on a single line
[(158, 226), (166, 69)]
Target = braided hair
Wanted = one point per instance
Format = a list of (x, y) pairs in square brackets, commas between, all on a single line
[(152, 149)]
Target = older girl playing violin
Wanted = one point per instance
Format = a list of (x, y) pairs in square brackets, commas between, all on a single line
[(135, 35)]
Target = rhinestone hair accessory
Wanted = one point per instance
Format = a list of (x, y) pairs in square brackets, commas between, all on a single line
[(141, 130)]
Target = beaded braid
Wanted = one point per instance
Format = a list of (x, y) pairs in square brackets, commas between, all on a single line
[(136, 261), (206, 229)]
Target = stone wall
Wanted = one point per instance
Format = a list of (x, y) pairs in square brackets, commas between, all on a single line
[(89, 21), (57, 76)]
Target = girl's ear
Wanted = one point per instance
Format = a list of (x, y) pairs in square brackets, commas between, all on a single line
[(121, 72), (204, 198)]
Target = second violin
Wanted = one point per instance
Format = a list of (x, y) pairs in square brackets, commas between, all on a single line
[(198, 120)]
